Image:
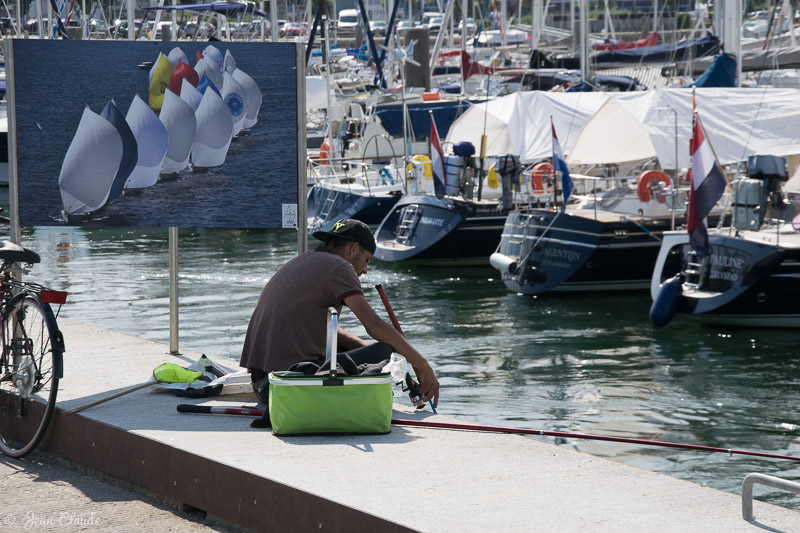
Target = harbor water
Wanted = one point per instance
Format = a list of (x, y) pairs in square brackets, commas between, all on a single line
[(588, 363)]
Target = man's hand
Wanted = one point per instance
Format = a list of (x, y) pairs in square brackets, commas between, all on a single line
[(429, 384)]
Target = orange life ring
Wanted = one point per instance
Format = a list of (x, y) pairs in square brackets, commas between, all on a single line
[(646, 180), (541, 177), (324, 153)]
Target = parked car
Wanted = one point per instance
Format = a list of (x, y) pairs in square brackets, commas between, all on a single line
[(254, 30), (471, 26), (378, 27), (292, 29), (7, 24), (205, 30), (98, 27), (120, 29), (435, 24), (32, 25)]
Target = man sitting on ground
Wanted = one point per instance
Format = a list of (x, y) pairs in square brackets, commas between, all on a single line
[(289, 323)]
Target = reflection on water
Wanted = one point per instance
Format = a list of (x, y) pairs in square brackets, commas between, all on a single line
[(576, 363)]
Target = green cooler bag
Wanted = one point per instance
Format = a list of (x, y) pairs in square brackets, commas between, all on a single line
[(300, 404), (331, 403)]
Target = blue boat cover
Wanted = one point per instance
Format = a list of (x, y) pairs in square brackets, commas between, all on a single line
[(661, 53), (720, 73), (444, 113)]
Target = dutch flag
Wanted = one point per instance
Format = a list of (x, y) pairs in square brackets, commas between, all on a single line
[(560, 165), (708, 184), (437, 161)]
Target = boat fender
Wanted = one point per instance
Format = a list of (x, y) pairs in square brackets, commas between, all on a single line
[(666, 303), (427, 166), (493, 177), (541, 177), (503, 263), (325, 153), (646, 181)]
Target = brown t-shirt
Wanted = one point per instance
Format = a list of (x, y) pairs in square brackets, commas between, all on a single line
[(290, 319)]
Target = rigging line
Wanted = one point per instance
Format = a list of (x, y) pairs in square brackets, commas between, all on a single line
[(753, 124)]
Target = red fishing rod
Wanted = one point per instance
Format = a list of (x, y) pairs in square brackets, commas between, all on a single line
[(189, 408), (414, 391)]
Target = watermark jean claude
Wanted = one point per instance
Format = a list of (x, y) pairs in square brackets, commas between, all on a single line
[(33, 521)]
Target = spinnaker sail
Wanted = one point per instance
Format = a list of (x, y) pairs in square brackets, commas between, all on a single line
[(235, 98), (190, 95), (228, 64), (180, 72), (130, 150), (176, 55), (159, 81), (254, 97), (180, 122), (151, 140), (214, 131), (89, 167)]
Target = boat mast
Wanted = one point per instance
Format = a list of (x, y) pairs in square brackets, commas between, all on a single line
[(537, 25), (131, 23), (440, 36), (584, 39), (732, 33)]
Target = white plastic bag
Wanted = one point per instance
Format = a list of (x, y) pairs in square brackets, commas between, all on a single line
[(397, 367)]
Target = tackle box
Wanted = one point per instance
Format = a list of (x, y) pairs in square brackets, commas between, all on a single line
[(330, 403)]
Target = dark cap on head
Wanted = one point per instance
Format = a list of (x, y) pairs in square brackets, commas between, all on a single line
[(352, 230)]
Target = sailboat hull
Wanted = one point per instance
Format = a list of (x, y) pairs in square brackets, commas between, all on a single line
[(749, 280), (426, 229), (328, 202), (570, 252)]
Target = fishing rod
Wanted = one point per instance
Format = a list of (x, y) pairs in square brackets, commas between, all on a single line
[(189, 408), (414, 391)]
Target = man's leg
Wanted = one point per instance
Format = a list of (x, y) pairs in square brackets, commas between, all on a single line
[(371, 354), (260, 381)]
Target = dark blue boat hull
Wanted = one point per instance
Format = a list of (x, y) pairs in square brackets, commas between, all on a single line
[(574, 253), (444, 231), (742, 283)]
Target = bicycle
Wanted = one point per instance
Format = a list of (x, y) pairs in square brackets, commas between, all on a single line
[(31, 361)]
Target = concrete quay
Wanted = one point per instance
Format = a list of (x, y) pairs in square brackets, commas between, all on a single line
[(413, 479)]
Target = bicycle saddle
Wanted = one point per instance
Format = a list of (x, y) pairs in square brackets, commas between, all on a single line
[(16, 253)]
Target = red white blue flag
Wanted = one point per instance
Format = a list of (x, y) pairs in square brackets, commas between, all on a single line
[(560, 164), (708, 184), (437, 161)]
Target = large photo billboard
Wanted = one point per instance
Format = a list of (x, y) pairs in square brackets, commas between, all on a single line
[(156, 133)]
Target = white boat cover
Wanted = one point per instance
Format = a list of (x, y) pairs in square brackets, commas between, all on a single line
[(181, 125), (152, 141), (89, 167), (254, 97), (235, 98), (738, 122), (228, 64), (190, 94), (519, 123), (214, 131), (176, 55)]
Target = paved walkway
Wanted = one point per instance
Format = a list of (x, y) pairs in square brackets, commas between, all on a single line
[(42, 493), (411, 479)]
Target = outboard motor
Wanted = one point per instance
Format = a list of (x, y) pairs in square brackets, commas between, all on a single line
[(771, 171), (509, 169)]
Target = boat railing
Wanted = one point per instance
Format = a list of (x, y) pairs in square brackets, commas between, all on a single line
[(354, 172), (607, 193)]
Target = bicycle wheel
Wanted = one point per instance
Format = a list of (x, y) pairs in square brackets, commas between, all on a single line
[(30, 366)]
